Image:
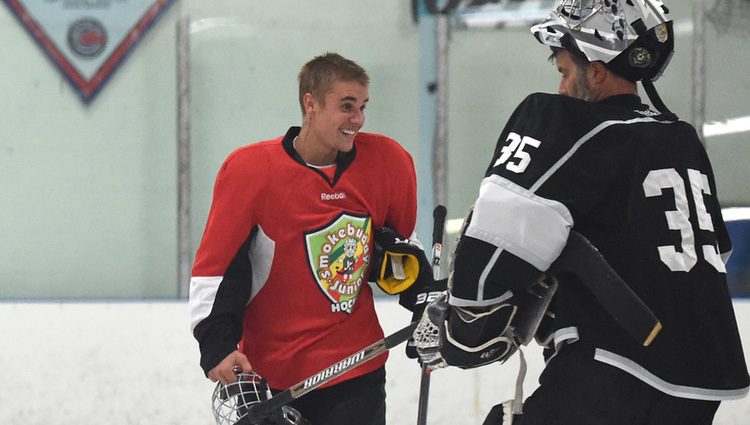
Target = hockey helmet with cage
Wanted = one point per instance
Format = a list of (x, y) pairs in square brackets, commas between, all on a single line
[(231, 402), (634, 38)]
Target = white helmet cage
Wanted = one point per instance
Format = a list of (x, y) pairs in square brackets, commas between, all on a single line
[(634, 38), (232, 401)]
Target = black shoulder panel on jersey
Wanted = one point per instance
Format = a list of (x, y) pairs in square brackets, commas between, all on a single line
[(220, 332)]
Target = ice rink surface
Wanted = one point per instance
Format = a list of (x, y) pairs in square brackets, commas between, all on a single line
[(136, 363)]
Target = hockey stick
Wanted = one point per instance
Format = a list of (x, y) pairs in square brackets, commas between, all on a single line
[(257, 412), (581, 258), (438, 216)]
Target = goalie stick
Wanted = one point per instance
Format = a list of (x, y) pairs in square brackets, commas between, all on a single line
[(581, 258), (259, 411), (438, 225)]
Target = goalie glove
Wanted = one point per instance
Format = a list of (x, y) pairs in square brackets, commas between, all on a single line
[(416, 299), (456, 336), (427, 335), (469, 337), (398, 262)]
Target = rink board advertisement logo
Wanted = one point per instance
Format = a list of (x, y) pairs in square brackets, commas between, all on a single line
[(87, 40), (339, 255)]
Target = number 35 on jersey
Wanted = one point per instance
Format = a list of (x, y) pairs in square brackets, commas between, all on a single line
[(516, 153)]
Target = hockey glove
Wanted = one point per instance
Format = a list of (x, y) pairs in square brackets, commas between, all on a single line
[(427, 335), (397, 262), (416, 299), (465, 337), (476, 336)]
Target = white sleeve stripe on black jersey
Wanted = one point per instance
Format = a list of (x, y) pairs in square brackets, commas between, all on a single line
[(203, 291), (541, 225), (586, 137), (565, 336), (682, 391), (486, 272)]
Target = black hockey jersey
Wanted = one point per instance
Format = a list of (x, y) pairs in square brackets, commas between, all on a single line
[(642, 190)]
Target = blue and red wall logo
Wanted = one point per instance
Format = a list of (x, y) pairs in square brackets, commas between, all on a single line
[(87, 40)]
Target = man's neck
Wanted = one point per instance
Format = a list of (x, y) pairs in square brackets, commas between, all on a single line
[(616, 86), (311, 152)]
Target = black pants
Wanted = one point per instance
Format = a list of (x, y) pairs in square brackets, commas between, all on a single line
[(575, 389), (358, 401)]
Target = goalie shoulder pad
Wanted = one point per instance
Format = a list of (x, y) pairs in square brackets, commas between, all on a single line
[(398, 262)]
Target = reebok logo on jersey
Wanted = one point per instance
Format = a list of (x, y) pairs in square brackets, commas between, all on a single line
[(339, 256), (332, 196), (647, 113)]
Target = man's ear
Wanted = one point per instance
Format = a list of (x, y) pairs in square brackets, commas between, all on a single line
[(598, 72), (308, 101)]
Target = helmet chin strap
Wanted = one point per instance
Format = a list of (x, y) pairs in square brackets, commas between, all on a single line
[(655, 99)]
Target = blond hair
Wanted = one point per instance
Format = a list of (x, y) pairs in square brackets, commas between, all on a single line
[(319, 74)]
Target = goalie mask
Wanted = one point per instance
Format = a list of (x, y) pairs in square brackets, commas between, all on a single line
[(634, 38), (232, 401)]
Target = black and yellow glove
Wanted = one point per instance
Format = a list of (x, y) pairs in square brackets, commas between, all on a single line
[(398, 262)]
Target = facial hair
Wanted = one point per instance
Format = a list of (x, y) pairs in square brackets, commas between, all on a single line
[(583, 91)]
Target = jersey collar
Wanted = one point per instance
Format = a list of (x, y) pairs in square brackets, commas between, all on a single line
[(629, 101), (343, 159)]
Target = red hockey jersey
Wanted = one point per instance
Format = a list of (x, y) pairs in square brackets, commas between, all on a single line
[(283, 263)]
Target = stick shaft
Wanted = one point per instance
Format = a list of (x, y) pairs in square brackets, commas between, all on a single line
[(258, 411), (438, 226), (581, 258)]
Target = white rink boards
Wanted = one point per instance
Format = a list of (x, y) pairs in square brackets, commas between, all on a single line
[(135, 363)]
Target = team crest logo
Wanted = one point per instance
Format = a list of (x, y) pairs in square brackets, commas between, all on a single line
[(87, 40), (87, 37), (640, 58), (662, 32), (339, 256)]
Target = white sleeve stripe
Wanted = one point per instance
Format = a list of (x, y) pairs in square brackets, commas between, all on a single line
[(203, 291), (541, 226), (682, 391), (485, 273), (567, 335), (261, 255), (561, 337)]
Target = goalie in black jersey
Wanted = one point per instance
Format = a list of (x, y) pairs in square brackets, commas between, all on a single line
[(638, 184)]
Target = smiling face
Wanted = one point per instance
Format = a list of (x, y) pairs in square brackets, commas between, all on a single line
[(330, 124)]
